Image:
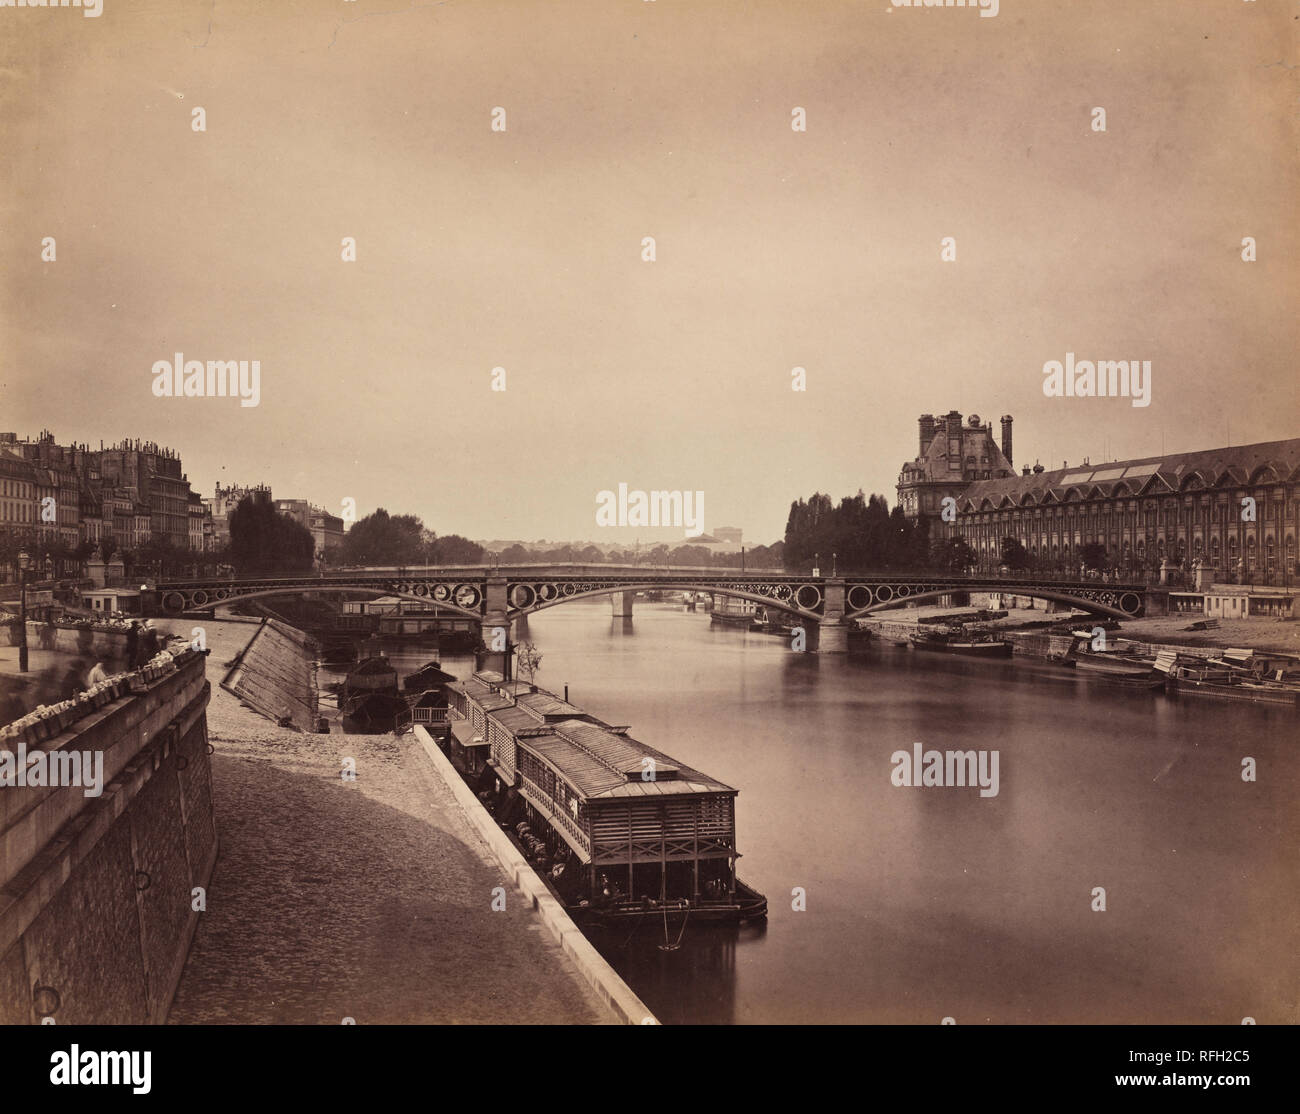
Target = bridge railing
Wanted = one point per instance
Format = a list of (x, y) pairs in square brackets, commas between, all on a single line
[(633, 573)]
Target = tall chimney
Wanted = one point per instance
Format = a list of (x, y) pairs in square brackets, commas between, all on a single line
[(954, 423), (927, 432), (1006, 437)]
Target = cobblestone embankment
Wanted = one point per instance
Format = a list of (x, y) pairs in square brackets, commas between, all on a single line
[(368, 899)]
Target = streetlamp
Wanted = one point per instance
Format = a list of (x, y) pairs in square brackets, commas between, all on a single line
[(24, 561)]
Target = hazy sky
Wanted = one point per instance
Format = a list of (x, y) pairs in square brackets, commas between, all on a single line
[(522, 249)]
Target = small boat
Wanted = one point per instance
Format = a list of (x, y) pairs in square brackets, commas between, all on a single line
[(780, 623), (981, 644), (734, 613), (1148, 680), (1188, 680), (1109, 663)]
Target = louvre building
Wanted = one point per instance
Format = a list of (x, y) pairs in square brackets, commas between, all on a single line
[(1175, 509)]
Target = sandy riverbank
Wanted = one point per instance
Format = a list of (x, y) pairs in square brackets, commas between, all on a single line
[(1259, 634)]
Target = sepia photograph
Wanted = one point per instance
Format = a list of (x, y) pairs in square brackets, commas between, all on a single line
[(563, 514)]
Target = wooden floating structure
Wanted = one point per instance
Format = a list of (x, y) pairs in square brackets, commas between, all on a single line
[(955, 640), (369, 699), (619, 830)]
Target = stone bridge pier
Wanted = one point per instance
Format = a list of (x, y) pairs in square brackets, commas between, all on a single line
[(494, 628), (621, 604), (831, 635)]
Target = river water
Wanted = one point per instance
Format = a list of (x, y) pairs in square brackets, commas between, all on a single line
[(934, 902)]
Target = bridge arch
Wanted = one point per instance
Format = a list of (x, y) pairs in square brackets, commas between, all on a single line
[(212, 603), (517, 612), (1094, 607)]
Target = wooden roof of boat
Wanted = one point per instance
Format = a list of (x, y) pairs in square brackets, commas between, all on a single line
[(428, 675), (373, 665), (598, 759), (600, 763)]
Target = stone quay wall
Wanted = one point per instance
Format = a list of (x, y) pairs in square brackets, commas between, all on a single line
[(82, 641), (97, 908)]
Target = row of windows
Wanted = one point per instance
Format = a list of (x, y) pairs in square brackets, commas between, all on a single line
[(556, 788), (1226, 512), (1250, 557), (996, 533)]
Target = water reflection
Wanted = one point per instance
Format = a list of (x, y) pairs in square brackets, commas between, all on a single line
[(932, 902)]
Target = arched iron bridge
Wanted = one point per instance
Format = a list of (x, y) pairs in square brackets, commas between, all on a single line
[(511, 592)]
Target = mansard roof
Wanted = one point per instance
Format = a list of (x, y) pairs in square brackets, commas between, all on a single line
[(934, 461), (1234, 465)]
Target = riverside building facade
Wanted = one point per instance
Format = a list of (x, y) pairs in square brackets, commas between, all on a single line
[(1229, 514)]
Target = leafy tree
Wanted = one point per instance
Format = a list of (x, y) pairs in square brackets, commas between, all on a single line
[(452, 549), (384, 539), (696, 555), (1093, 554), (953, 555), (516, 555), (1014, 555), (262, 540), (858, 535), (763, 556)]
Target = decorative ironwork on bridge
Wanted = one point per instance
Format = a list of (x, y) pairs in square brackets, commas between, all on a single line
[(478, 592), (464, 593), (864, 594), (801, 595)]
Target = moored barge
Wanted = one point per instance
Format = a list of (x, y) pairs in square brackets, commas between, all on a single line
[(1111, 663), (734, 612), (1189, 680), (620, 831), (955, 641)]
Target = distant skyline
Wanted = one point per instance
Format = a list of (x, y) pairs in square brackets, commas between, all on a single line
[(775, 249)]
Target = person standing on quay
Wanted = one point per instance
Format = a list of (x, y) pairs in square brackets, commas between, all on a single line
[(133, 645), (148, 643)]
